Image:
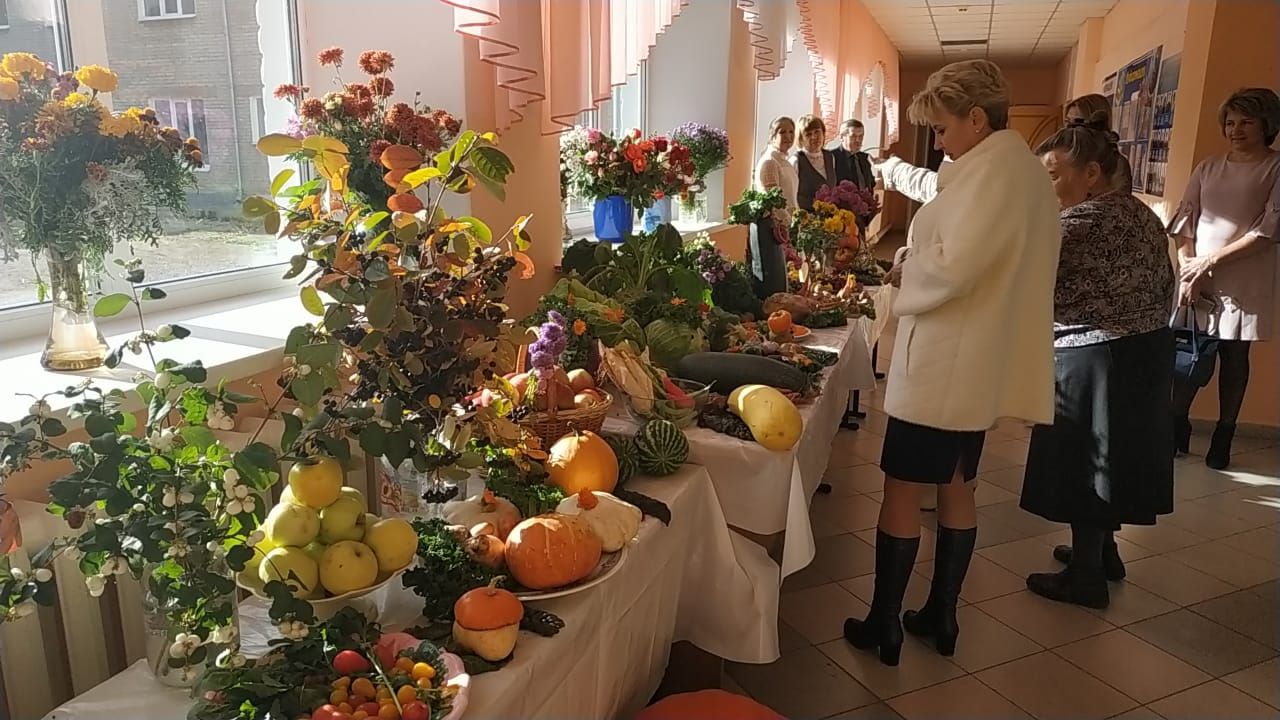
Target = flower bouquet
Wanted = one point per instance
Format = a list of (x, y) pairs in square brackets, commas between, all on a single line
[(619, 174), (75, 179), (362, 115), (818, 232), (709, 151), (852, 252)]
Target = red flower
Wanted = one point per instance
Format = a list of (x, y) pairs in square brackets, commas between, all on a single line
[(376, 148), (638, 165), (427, 134), (364, 108), (331, 56), (447, 122), (382, 87), (376, 62), (660, 143), (358, 91), (288, 91), (401, 117), (312, 109)]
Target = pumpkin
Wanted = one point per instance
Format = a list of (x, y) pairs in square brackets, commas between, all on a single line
[(551, 551), (486, 621), (483, 508), (615, 521), (774, 420), (845, 255), (711, 704), (780, 322), (582, 460)]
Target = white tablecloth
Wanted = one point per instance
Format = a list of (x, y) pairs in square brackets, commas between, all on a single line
[(765, 491), (694, 580)]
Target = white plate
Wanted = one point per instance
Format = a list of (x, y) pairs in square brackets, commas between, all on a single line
[(608, 565), (326, 608), (456, 675)]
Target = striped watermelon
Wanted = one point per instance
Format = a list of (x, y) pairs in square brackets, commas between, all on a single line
[(628, 458), (662, 447)]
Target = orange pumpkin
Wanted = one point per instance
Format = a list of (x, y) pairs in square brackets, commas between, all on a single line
[(709, 704), (551, 551), (487, 608), (582, 461), (780, 322)]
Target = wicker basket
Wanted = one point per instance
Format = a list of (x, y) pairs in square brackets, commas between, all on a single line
[(551, 425)]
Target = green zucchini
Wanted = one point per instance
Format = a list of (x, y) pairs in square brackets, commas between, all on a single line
[(726, 371)]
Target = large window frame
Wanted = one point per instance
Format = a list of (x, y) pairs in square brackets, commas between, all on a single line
[(4, 14), (628, 108), (180, 10), (20, 324), (167, 112)]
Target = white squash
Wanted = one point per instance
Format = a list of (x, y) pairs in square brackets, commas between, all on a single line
[(615, 521), (483, 508)]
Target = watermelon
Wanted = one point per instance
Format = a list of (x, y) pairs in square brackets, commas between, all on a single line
[(662, 447), (624, 448)]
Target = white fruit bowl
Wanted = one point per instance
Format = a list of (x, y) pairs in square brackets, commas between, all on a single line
[(326, 608)]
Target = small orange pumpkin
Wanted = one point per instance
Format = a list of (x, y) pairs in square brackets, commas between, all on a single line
[(582, 461), (488, 608), (552, 550), (780, 322)]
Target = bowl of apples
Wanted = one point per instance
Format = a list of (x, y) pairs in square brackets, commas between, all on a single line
[(322, 542)]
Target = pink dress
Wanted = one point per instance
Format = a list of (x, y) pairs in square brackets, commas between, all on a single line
[(1224, 202)]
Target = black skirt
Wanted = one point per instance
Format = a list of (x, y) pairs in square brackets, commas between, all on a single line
[(921, 454), (1108, 458)]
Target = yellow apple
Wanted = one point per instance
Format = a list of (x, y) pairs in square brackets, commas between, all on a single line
[(316, 481), (348, 565), (369, 520), (394, 541), (292, 525), (315, 550), (343, 519), (287, 498), (350, 492), (293, 567)]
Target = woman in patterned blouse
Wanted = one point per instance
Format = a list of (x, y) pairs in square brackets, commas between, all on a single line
[(1107, 459)]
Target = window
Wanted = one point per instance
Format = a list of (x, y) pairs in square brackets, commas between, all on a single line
[(188, 117), (160, 9), (621, 113), (257, 118), (4, 14)]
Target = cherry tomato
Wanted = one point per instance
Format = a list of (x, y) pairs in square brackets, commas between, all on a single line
[(416, 710)]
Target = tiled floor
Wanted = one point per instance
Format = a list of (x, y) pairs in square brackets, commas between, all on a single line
[(1194, 632)]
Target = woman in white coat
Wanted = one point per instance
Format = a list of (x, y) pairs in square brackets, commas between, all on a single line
[(974, 342)]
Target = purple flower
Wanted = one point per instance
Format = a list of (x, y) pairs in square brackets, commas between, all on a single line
[(295, 128)]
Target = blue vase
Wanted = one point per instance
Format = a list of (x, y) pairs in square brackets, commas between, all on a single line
[(613, 217), (659, 212)]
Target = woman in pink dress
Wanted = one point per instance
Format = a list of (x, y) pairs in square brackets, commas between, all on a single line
[(1225, 230)]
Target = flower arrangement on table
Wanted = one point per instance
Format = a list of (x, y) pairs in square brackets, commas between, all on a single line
[(75, 180), (362, 115), (598, 166), (853, 252), (819, 232), (161, 499), (708, 149), (757, 206)]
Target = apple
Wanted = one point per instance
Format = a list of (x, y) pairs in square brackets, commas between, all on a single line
[(584, 400), (354, 493), (315, 550), (580, 380), (348, 565), (369, 520), (343, 519), (287, 498), (294, 525), (316, 481), (394, 542), (291, 566)]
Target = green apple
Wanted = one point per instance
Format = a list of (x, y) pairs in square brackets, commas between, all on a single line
[(293, 567), (342, 520), (315, 550), (292, 525), (394, 541), (350, 492), (348, 565), (316, 481)]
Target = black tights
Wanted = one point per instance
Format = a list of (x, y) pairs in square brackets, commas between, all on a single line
[(1233, 380)]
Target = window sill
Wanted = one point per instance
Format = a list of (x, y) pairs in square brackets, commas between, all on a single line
[(159, 18), (584, 229)]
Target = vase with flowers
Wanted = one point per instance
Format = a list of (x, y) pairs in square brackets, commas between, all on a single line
[(75, 180), (675, 164), (709, 151), (618, 174)]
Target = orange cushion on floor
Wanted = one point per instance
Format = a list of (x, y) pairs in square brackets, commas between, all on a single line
[(712, 704)]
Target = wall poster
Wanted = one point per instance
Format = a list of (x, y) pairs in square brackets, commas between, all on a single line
[(1162, 124), (1135, 110)]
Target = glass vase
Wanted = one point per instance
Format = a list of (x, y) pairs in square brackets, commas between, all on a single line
[(75, 343), (163, 622), (657, 214), (693, 209)]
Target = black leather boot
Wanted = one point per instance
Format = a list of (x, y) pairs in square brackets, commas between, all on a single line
[(1082, 582), (937, 619), (1112, 565), (882, 628), (1219, 455), (1181, 435)]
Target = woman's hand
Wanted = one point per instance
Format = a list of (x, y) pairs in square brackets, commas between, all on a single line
[(894, 276), (1188, 293), (1196, 269)]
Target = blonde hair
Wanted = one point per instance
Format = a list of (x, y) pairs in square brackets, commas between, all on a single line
[(809, 122), (1090, 105), (1260, 104), (960, 87)]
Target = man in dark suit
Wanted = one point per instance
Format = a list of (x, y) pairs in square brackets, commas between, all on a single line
[(850, 162)]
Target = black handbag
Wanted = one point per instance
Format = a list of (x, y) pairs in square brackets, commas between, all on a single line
[(1194, 352)]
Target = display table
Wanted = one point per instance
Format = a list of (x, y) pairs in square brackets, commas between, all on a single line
[(694, 580), (767, 492)]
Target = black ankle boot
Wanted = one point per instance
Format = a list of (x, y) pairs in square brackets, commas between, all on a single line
[(937, 619), (1219, 455), (882, 628), (1112, 565), (1072, 585), (1181, 435)]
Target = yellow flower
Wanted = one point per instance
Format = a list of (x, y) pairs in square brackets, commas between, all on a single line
[(76, 99), (18, 63), (98, 78), (820, 206), (9, 89), (118, 126)]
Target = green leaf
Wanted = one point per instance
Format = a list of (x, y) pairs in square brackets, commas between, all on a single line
[(128, 423), (337, 447), (311, 300), (255, 207), (297, 264), (113, 359), (479, 229), (337, 317), (194, 372), (319, 355), (180, 332), (377, 270), (53, 427), (377, 241), (298, 336), (373, 440), (292, 428), (154, 293), (238, 555), (494, 187), (98, 424), (421, 176), (281, 179), (259, 455), (381, 310), (308, 389), (397, 448), (492, 163), (111, 305), (271, 223), (197, 436), (371, 222), (278, 144)]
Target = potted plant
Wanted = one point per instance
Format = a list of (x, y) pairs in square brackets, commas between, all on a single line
[(764, 212), (77, 180), (709, 150)]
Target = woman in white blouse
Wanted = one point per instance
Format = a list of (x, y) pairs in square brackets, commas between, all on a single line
[(974, 341), (773, 170)]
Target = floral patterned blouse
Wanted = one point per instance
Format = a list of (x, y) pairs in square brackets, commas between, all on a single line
[(1115, 277)]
